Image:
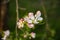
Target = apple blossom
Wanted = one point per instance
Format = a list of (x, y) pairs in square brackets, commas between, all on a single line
[(27, 19), (31, 16), (40, 19), (33, 34), (6, 34), (38, 14), (25, 36), (20, 24), (30, 25)]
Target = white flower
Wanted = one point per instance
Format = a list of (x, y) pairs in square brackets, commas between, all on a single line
[(38, 14), (4, 38), (35, 21), (27, 19), (25, 36), (30, 25), (6, 34), (40, 18), (33, 35), (20, 24), (31, 16)]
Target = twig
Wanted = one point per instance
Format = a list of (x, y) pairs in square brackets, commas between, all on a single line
[(17, 17), (46, 20)]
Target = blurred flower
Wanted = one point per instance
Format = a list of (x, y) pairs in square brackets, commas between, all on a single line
[(31, 16), (33, 35), (38, 16), (30, 20), (20, 23), (30, 25), (35, 21), (25, 36), (6, 34), (40, 19), (29, 37), (27, 19)]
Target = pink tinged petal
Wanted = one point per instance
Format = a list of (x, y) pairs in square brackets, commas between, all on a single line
[(22, 19), (26, 18), (30, 14), (29, 21), (7, 32), (20, 24), (30, 25), (38, 14), (33, 35), (32, 18)]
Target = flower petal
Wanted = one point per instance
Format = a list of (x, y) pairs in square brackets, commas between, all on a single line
[(30, 25), (35, 21), (31, 16), (33, 35), (29, 21), (7, 32), (40, 19), (38, 14)]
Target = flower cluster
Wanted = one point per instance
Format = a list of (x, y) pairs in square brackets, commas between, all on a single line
[(30, 20)]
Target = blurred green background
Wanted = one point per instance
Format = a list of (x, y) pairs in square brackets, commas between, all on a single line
[(52, 8)]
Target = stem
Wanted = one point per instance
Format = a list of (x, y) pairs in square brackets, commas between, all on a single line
[(17, 17), (46, 20)]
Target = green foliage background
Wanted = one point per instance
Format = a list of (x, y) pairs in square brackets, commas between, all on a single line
[(52, 9)]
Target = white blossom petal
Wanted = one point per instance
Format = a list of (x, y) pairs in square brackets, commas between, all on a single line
[(20, 24), (29, 21), (35, 21), (25, 36), (26, 18), (38, 14), (33, 35), (30, 25), (40, 19), (6, 34), (31, 16)]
